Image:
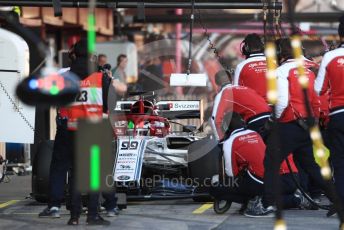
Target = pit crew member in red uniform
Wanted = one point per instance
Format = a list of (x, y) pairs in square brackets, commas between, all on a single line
[(311, 65), (293, 130), (306, 182), (331, 79), (240, 99), (244, 152), (251, 72)]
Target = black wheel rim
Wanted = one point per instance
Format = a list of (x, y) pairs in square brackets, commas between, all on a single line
[(222, 206)]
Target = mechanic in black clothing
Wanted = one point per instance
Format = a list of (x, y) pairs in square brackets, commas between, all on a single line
[(59, 163), (110, 203), (62, 156), (75, 111), (100, 82)]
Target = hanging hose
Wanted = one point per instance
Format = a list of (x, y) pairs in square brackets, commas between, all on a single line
[(265, 12), (270, 52), (272, 95), (212, 46), (278, 24), (192, 19)]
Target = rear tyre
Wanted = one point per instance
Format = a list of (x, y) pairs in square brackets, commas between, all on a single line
[(203, 160), (203, 163)]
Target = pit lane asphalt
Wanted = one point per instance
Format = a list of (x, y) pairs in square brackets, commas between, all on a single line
[(16, 212)]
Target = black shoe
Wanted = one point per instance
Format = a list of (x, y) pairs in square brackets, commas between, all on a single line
[(52, 212), (317, 198), (332, 211), (243, 208), (98, 220), (256, 209), (304, 203), (73, 221), (113, 212)]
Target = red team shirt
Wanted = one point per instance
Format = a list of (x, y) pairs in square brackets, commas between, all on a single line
[(239, 99), (324, 99), (245, 149), (310, 64), (331, 79), (290, 104), (252, 74)]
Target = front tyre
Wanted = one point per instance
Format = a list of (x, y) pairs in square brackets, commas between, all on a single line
[(41, 171)]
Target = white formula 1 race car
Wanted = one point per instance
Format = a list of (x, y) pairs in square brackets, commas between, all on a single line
[(152, 154), (151, 157)]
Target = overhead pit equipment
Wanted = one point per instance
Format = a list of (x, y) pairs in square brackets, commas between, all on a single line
[(188, 79), (254, 4)]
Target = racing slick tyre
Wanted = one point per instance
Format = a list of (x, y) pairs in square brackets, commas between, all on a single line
[(203, 164), (203, 161), (221, 206), (41, 171)]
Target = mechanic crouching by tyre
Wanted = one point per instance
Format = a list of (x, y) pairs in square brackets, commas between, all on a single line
[(239, 99), (244, 152), (293, 132), (85, 106), (331, 79)]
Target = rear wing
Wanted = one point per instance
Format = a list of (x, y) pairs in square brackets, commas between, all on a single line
[(178, 109)]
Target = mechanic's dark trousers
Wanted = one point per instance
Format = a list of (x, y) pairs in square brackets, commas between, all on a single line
[(60, 164), (311, 187), (93, 198), (110, 200), (335, 133), (308, 185), (292, 138), (246, 186), (239, 189), (288, 190), (258, 124)]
